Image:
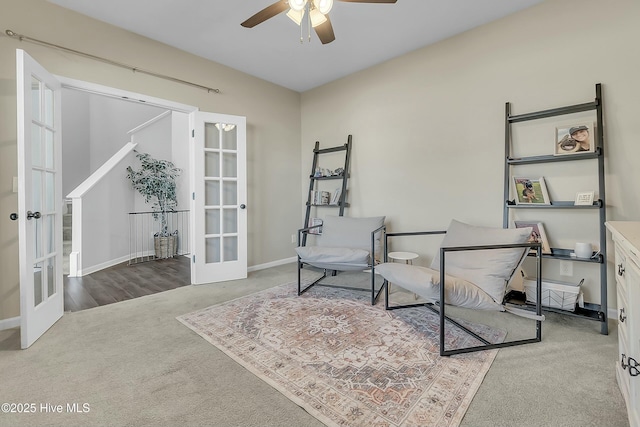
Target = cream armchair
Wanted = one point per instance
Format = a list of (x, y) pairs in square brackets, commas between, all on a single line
[(480, 264), (346, 244)]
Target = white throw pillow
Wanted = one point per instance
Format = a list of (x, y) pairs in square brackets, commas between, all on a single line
[(489, 269), (426, 283), (350, 232)]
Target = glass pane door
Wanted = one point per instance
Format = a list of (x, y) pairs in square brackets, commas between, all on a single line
[(221, 195), (39, 198), (218, 206), (43, 176)]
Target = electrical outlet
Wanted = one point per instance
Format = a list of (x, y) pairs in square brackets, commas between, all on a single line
[(293, 238), (566, 268)]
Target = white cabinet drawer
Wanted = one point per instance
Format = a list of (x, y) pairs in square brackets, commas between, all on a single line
[(626, 236)]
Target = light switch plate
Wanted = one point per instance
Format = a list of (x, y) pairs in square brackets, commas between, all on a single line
[(15, 184)]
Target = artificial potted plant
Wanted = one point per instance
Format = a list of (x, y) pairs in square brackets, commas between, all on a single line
[(156, 182)]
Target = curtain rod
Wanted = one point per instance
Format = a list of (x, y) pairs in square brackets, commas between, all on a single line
[(21, 37)]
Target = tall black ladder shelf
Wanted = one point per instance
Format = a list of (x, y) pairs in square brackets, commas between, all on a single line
[(597, 312), (341, 204)]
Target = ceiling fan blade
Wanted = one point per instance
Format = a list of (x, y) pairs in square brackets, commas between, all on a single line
[(369, 1), (325, 31), (266, 13)]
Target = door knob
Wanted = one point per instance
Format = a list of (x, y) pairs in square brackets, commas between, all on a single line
[(13, 216), (243, 206), (35, 215)]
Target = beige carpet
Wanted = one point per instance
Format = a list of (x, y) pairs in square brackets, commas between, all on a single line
[(137, 366), (346, 362)]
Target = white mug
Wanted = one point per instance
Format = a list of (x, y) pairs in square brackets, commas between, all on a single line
[(583, 250)]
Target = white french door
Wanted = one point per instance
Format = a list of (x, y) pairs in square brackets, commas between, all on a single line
[(219, 193), (39, 198)]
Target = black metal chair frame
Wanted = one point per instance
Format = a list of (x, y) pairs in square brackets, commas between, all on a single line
[(375, 293), (440, 306)]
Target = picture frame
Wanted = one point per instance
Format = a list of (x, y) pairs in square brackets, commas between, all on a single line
[(576, 138), (531, 191), (538, 234), (315, 221), (584, 198)]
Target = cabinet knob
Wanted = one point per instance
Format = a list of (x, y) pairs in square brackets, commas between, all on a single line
[(623, 316), (620, 269)]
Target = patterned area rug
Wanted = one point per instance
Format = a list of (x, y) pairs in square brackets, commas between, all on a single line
[(346, 362)]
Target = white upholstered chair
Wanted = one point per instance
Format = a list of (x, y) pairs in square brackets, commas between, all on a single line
[(473, 269), (346, 244)]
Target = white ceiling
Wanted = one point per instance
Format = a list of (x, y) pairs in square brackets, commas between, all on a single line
[(366, 34)]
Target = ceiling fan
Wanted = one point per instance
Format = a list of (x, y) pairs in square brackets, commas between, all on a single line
[(316, 12)]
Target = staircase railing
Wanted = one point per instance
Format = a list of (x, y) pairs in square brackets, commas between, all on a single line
[(144, 225), (77, 196)]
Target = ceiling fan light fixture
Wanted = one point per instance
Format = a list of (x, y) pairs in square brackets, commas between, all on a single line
[(297, 5), (296, 15), (316, 17), (324, 6), (225, 127)]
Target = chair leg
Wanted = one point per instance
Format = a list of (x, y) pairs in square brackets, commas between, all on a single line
[(376, 295), (487, 345), (300, 290), (444, 319)]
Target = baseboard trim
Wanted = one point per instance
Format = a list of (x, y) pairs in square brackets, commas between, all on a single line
[(272, 264), (10, 323), (102, 266)]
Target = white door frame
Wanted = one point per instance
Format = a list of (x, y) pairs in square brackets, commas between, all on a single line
[(209, 275), (75, 258), (125, 95)]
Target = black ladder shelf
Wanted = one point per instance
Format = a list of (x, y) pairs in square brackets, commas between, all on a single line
[(597, 312), (313, 180)]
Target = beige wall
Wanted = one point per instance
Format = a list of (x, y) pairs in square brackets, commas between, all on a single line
[(273, 147), (428, 127)]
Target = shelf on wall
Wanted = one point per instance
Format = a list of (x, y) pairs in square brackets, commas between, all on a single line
[(565, 254), (591, 311), (342, 204), (560, 204), (549, 158)]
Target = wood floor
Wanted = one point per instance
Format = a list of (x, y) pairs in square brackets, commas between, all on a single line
[(123, 282)]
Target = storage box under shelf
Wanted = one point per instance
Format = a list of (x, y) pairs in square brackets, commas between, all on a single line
[(555, 294)]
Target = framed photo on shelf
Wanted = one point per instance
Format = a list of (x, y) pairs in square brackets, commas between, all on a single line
[(315, 221), (531, 191), (584, 198), (537, 234), (575, 139)]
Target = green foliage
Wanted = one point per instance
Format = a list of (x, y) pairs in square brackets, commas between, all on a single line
[(156, 182)]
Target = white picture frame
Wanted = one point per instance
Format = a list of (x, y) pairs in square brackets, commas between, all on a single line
[(584, 198), (530, 191), (315, 221), (575, 138), (537, 234)]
